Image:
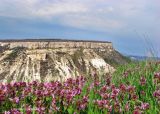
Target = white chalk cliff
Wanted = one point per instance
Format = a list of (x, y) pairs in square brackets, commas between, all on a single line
[(50, 64)]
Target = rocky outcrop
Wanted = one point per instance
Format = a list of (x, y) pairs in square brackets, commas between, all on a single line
[(52, 44), (28, 61)]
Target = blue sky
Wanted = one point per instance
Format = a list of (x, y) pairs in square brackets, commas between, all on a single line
[(126, 23)]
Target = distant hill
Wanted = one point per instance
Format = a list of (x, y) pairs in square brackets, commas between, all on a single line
[(141, 58)]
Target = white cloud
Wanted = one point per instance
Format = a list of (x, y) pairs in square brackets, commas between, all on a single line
[(91, 22), (100, 15), (38, 8), (106, 10), (60, 9)]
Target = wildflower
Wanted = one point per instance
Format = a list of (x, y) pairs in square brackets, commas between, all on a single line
[(125, 74), (113, 96), (157, 78), (82, 104), (157, 94), (134, 96), (7, 112), (103, 89), (157, 75), (110, 108), (144, 106), (26, 91), (46, 93), (39, 93), (90, 87), (2, 96), (28, 110), (23, 84), (105, 95), (102, 103), (117, 107), (122, 87), (143, 81), (96, 83), (136, 112), (34, 83), (53, 105), (85, 99), (78, 91), (40, 110), (108, 80), (130, 89), (113, 86), (15, 111), (69, 97), (142, 92), (127, 107), (14, 100), (115, 91), (137, 108)]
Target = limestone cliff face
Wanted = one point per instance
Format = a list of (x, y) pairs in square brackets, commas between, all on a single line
[(52, 44), (24, 62)]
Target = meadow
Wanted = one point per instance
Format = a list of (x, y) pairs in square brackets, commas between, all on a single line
[(133, 89)]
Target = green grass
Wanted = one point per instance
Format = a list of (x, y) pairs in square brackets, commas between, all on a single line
[(135, 72)]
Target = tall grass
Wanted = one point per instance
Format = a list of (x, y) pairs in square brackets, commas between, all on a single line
[(132, 73)]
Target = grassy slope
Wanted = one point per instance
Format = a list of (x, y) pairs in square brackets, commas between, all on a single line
[(114, 58)]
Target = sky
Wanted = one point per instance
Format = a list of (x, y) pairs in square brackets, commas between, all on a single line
[(131, 25)]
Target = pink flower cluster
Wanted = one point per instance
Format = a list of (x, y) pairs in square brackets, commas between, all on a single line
[(74, 96), (112, 98), (157, 76), (157, 94), (41, 97)]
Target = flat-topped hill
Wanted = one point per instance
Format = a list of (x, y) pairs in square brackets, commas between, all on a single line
[(51, 40), (55, 59), (56, 43)]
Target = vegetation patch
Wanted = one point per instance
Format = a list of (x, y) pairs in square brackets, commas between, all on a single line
[(114, 58), (15, 52), (76, 56)]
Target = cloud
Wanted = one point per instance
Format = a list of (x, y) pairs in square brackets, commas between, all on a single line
[(91, 23), (59, 8), (39, 8), (97, 15)]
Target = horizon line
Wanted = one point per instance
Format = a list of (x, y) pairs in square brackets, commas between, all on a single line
[(50, 40)]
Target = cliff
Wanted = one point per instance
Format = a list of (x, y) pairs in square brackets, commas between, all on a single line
[(54, 43), (48, 60)]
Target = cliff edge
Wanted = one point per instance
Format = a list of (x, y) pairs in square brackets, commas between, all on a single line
[(51, 60)]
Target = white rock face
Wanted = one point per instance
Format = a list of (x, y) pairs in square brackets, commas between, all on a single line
[(100, 64), (49, 64), (52, 44)]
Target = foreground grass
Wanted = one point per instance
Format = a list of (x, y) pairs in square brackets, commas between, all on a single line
[(133, 88), (145, 77)]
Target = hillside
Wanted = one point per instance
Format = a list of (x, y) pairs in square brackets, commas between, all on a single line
[(50, 60)]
